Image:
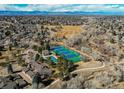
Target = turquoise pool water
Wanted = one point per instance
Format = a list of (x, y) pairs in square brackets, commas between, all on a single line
[(53, 59)]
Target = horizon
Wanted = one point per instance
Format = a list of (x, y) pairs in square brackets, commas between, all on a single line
[(102, 9), (19, 13)]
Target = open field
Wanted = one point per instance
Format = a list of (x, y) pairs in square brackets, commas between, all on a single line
[(68, 31)]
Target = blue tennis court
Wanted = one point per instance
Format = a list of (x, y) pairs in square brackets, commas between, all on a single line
[(57, 47), (67, 53), (70, 56)]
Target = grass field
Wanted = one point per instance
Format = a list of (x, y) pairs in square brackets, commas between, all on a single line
[(68, 31)]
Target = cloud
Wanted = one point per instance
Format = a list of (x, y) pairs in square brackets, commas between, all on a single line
[(65, 7)]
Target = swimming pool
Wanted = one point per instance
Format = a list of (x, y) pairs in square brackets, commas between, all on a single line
[(53, 59)]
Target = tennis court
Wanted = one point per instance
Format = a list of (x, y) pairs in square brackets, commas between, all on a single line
[(67, 53)]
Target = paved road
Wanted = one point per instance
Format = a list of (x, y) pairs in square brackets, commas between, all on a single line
[(92, 68)]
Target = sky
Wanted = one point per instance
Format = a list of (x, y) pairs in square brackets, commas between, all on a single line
[(63, 7)]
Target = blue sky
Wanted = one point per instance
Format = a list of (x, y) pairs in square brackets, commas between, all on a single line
[(63, 7)]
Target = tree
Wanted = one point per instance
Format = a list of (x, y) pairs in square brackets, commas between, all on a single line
[(59, 65), (40, 49), (49, 62), (16, 85), (35, 47), (7, 33), (112, 41), (15, 43), (37, 56), (64, 67), (1, 48), (20, 60), (48, 47), (9, 69), (70, 66), (41, 59), (10, 47), (0, 54), (35, 81)]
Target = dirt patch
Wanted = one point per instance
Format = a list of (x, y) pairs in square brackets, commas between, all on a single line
[(3, 71), (68, 31)]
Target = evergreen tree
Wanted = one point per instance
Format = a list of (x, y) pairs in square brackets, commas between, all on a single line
[(35, 47), (37, 56), (41, 59), (10, 47), (35, 81), (59, 65), (0, 54), (70, 66), (9, 69), (65, 68), (40, 49), (48, 47), (1, 48)]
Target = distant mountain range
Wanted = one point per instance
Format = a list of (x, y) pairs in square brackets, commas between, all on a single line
[(11, 13)]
